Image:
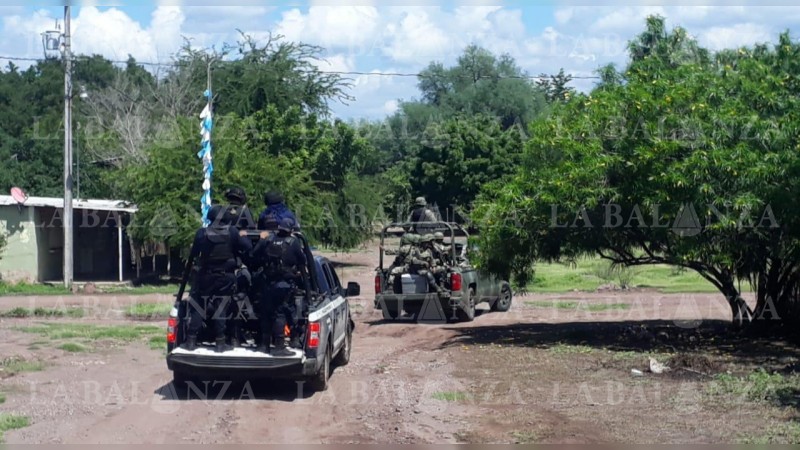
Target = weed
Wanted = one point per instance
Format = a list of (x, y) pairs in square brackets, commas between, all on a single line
[(574, 305), (11, 422), (73, 347), (783, 433), (524, 437), (450, 396), (15, 365), (149, 311), (92, 332), (567, 349), (759, 386), (2, 398), (158, 342), (43, 312)]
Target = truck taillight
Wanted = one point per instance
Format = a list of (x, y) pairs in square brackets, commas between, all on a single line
[(172, 326), (455, 282), (313, 334), (377, 284)]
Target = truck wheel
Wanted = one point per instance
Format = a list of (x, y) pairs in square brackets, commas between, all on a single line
[(344, 354), (468, 313), (503, 303), (320, 381)]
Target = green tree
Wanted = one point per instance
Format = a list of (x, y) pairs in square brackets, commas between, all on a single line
[(715, 135)]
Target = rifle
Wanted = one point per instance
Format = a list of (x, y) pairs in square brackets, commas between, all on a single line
[(186, 272)]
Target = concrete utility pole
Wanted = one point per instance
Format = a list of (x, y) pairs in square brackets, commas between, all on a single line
[(67, 54)]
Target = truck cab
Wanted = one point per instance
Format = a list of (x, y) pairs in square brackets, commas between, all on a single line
[(326, 336)]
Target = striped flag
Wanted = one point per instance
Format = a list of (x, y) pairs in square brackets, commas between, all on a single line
[(204, 154)]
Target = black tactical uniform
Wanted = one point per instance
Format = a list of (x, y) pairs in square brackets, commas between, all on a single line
[(217, 250), (284, 265)]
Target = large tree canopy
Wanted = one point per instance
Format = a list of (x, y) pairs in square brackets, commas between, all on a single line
[(685, 159)]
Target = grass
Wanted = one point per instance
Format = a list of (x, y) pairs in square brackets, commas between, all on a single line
[(124, 333), (11, 422), (590, 273), (524, 437), (567, 349), (148, 311), (43, 312), (2, 398), (32, 289), (15, 365), (759, 386), (141, 290), (782, 433), (73, 347), (450, 396), (158, 342), (573, 305)]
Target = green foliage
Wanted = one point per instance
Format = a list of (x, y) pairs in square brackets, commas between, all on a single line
[(149, 311), (758, 386), (73, 347), (14, 365), (20, 312), (11, 422), (683, 128)]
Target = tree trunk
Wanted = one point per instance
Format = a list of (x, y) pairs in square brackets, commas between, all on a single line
[(741, 314)]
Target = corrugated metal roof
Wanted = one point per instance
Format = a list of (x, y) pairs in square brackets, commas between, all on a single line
[(55, 202)]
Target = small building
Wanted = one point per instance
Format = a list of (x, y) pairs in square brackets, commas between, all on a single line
[(34, 232)]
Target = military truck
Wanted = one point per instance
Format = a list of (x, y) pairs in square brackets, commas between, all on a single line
[(410, 296)]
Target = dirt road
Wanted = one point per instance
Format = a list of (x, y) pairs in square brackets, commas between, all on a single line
[(532, 374)]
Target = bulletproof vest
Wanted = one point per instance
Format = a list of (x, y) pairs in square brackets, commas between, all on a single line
[(418, 214), (279, 255), (221, 250)]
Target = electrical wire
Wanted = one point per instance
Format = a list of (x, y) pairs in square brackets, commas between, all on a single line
[(331, 72)]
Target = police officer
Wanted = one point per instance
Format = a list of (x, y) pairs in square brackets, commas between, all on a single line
[(217, 250), (237, 201), (275, 211), (284, 265)]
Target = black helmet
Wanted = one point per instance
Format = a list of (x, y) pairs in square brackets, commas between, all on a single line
[(273, 198), (286, 224), (236, 195), (215, 214)]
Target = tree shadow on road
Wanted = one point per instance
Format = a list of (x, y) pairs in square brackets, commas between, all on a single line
[(709, 337)]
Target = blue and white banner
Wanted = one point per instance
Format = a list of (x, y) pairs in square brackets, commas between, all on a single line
[(205, 155)]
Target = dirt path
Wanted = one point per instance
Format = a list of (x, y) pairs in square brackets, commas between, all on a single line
[(403, 384)]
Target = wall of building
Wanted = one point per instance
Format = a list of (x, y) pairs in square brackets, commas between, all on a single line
[(19, 259)]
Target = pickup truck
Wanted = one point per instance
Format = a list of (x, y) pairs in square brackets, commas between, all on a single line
[(327, 334), (465, 285)]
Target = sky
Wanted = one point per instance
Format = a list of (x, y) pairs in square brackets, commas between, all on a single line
[(387, 37)]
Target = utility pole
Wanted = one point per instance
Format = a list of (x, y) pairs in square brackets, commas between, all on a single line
[(68, 260)]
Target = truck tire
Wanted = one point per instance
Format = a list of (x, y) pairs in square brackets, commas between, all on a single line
[(344, 354), (320, 381), (503, 303), (468, 313)]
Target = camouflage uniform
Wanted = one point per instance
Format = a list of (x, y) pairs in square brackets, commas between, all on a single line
[(442, 250), (424, 263), (402, 258)]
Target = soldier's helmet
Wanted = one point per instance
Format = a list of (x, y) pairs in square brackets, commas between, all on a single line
[(426, 238), (438, 236), (420, 201)]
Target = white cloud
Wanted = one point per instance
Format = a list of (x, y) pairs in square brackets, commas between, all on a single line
[(742, 34), (331, 26), (390, 107)]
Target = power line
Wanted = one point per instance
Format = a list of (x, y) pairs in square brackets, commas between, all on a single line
[(331, 72)]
